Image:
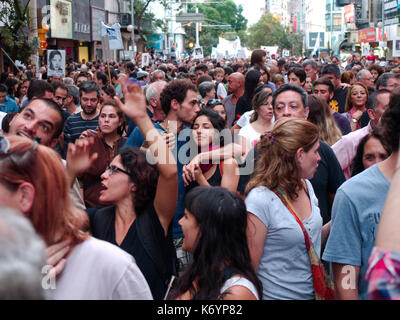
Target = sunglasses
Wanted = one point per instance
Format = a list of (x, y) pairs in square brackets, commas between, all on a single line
[(212, 102)]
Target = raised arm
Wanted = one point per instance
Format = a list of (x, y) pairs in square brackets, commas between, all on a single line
[(167, 187)]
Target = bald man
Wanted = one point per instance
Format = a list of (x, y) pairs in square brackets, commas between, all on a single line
[(236, 90)]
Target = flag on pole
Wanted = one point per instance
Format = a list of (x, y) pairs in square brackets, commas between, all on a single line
[(114, 36), (316, 47)]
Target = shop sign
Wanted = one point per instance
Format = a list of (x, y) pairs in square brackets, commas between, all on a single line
[(367, 35), (61, 19)]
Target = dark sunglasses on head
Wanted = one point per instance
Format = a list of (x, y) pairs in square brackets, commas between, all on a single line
[(212, 102)]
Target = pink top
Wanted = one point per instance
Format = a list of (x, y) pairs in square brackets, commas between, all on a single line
[(346, 148)]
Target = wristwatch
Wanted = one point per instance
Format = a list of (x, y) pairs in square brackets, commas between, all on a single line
[(354, 120)]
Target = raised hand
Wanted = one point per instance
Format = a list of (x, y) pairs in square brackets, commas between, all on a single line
[(135, 100), (87, 134), (79, 158)]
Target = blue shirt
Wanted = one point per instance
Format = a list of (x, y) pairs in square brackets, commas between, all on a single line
[(9, 105), (356, 213), (136, 140)]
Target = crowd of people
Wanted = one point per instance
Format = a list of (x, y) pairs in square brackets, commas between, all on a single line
[(231, 179)]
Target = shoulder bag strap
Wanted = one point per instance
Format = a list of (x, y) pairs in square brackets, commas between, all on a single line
[(323, 286)]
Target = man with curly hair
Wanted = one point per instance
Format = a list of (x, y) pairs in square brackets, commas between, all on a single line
[(180, 103)]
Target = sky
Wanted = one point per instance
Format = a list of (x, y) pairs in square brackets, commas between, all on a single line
[(251, 12)]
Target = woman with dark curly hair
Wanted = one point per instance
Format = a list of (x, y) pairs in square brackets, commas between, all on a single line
[(371, 150), (142, 199), (376, 71), (214, 226)]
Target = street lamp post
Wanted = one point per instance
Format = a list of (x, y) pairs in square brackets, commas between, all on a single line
[(197, 29), (131, 28), (33, 33), (383, 22)]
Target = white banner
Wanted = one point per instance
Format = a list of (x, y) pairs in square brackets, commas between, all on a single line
[(114, 36)]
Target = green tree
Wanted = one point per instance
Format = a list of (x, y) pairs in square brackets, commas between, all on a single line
[(268, 31), (223, 13), (295, 42), (14, 34), (145, 21)]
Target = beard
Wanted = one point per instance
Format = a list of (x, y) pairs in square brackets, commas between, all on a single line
[(89, 110)]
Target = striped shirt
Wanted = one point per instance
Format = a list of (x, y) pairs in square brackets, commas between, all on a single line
[(75, 125)]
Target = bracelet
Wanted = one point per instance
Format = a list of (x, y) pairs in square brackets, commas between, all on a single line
[(354, 120)]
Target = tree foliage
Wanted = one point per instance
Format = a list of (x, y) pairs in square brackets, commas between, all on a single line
[(145, 21), (14, 33), (268, 31), (223, 13)]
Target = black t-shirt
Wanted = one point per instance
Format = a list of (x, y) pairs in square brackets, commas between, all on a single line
[(364, 120), (338, 101), (214, 180), (242, 106), (327, 179), (102, 226)]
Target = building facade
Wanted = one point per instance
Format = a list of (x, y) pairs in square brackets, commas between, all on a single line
[(75, 26)]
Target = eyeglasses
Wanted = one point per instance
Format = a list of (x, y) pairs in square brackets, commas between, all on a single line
[(113, 169)]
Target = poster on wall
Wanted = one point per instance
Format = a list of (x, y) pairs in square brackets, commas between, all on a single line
[(56, 63), (396, 47), (365, 48)]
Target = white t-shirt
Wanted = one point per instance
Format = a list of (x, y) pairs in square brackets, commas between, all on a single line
[(221, 91), (245, 119), (239, 281), (251, 135), (99, 270), (2, 115)]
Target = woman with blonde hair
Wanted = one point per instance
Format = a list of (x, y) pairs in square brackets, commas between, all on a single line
[(356, 104), (33, 181), (282, 209), (321, 116)]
